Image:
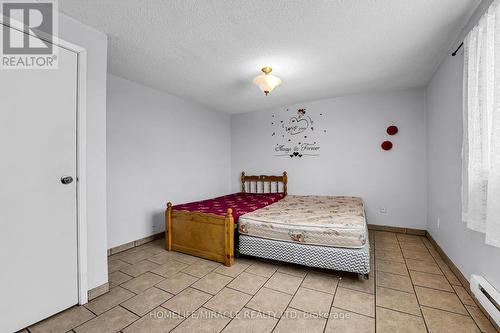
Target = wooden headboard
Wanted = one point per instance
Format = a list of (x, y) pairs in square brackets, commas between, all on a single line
[(272, 181)]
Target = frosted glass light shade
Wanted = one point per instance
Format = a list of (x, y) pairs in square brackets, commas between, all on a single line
[(267, 82)]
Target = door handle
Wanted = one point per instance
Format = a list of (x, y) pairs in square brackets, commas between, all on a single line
[(66, 180)]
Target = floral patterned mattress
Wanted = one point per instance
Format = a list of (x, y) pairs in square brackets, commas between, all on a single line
[(240, 203), (316, 220)]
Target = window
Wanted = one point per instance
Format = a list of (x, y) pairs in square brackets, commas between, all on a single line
[(481, 121)]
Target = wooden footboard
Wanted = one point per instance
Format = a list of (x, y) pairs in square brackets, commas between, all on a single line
[(208, 235), (203, 235)]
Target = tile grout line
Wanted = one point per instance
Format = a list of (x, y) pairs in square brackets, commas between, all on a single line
[(267, 279), (110, 288), (241, 291), (331, 304), (466, 306), (95, 314), (83, 323), (436, 289), (361, 314), (288, 305), (245, 306), (414, 270), (177, 313), (301, 286), (410, 278), (449, 282), (403, 291), (452, 312), (154, 286), (360, 291), (139, 318), (416, 296), (452, 292), (206, 292), (211, 296), (399, 311), (353, 311), (263, 285)]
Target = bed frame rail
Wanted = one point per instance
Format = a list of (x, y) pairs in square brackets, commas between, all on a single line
[(257, 184)]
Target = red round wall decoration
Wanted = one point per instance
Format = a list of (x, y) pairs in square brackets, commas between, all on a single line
[(392, 130), (386, 145)]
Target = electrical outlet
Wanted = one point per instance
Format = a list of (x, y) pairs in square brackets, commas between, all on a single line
[(438, 222), (383, 210)]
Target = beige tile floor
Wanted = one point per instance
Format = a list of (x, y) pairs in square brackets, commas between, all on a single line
[(410, 290)]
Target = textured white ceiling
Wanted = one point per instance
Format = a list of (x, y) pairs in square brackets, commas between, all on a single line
[(209, 51)]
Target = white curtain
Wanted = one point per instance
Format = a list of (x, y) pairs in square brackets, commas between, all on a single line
[(481, 121)]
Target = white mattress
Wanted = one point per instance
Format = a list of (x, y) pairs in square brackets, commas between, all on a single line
[(316, 220)]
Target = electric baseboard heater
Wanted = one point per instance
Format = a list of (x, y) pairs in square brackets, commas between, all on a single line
[(487, 295)]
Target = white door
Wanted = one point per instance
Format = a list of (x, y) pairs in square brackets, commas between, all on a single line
[(38, 229)]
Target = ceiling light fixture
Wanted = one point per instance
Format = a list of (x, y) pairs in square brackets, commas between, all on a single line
[(266, 81)]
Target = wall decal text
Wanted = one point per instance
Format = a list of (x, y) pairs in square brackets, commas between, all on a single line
[(297, 134)]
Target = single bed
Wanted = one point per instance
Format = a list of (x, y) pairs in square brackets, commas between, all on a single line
[(318, 231), (207, 228)]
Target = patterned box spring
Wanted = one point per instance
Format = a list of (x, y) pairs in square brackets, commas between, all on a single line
[(340, 259), (335, 221)]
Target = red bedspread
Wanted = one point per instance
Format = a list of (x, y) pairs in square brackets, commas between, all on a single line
[(241, 203)]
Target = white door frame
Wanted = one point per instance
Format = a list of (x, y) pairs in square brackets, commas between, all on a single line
[(81, 155)]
